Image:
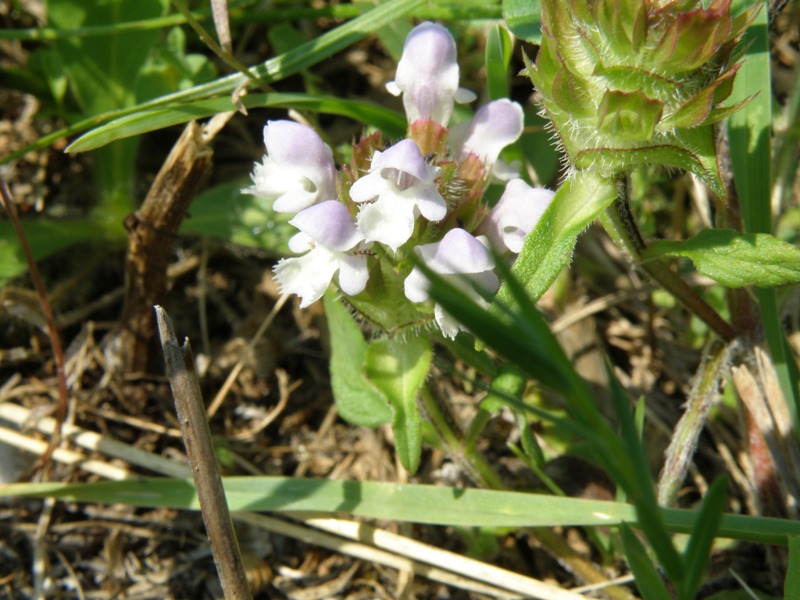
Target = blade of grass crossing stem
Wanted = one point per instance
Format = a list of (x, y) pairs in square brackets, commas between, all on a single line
[(749, 140), (274, 69), (648, 580), (695, 557)]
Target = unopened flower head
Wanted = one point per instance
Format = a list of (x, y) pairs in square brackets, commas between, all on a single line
[(298, 169), (626, 82), (427, 75)]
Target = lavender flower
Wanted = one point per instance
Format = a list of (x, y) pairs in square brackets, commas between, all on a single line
[(495, 126), (332, 244), (462, 259), (515, 215), (298, 169), (427, 75), (399, 187)]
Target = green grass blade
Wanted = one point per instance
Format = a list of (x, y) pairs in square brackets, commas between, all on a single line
[(274, 69), (695, 558), (431, 504), (649, 582), (749, 133), (791, 586), (391, 123)]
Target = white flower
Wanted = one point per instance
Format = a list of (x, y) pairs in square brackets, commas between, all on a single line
[(495, 126), (298, 169), (401, 183), (515, 215), (331, 241), (464, 261), (427, 75)]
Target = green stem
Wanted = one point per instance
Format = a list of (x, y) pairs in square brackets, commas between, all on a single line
[(479, 468), (621, 226)]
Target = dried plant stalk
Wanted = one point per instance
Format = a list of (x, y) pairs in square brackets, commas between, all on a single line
[(151, 233)]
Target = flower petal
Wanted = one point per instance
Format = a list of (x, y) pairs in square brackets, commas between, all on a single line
[(389, 220), (515, 215), (329, 224), (353, 274), (298, 169), (427, 74), (307, 276), (495, 126), (458, 252)]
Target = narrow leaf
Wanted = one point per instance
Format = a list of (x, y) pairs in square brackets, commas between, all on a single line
[(436, 505), (648, 580), (388, 121), (498, 57), (695, 557)]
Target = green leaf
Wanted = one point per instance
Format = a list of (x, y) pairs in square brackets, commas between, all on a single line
[(225, 212), (398, 367), (523, 18), (46, 237), (498, 57), (648, 580), (736, 259), (358, 401), (548, 248), (102, 72), (388, 121), (695, 557)]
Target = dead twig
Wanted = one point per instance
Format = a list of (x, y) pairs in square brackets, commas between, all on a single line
[(202, 460)]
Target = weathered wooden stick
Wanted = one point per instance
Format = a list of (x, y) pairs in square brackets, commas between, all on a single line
[(202, 460)]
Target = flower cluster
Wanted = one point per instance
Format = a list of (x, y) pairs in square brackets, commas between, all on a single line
[(421, 196)]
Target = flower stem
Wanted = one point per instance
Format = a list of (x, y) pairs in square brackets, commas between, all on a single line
[(618, 221)]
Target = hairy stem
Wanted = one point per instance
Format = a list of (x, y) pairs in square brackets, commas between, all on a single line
[(621, 226)]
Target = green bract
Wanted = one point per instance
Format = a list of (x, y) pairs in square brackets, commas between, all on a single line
[(631, 82)]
